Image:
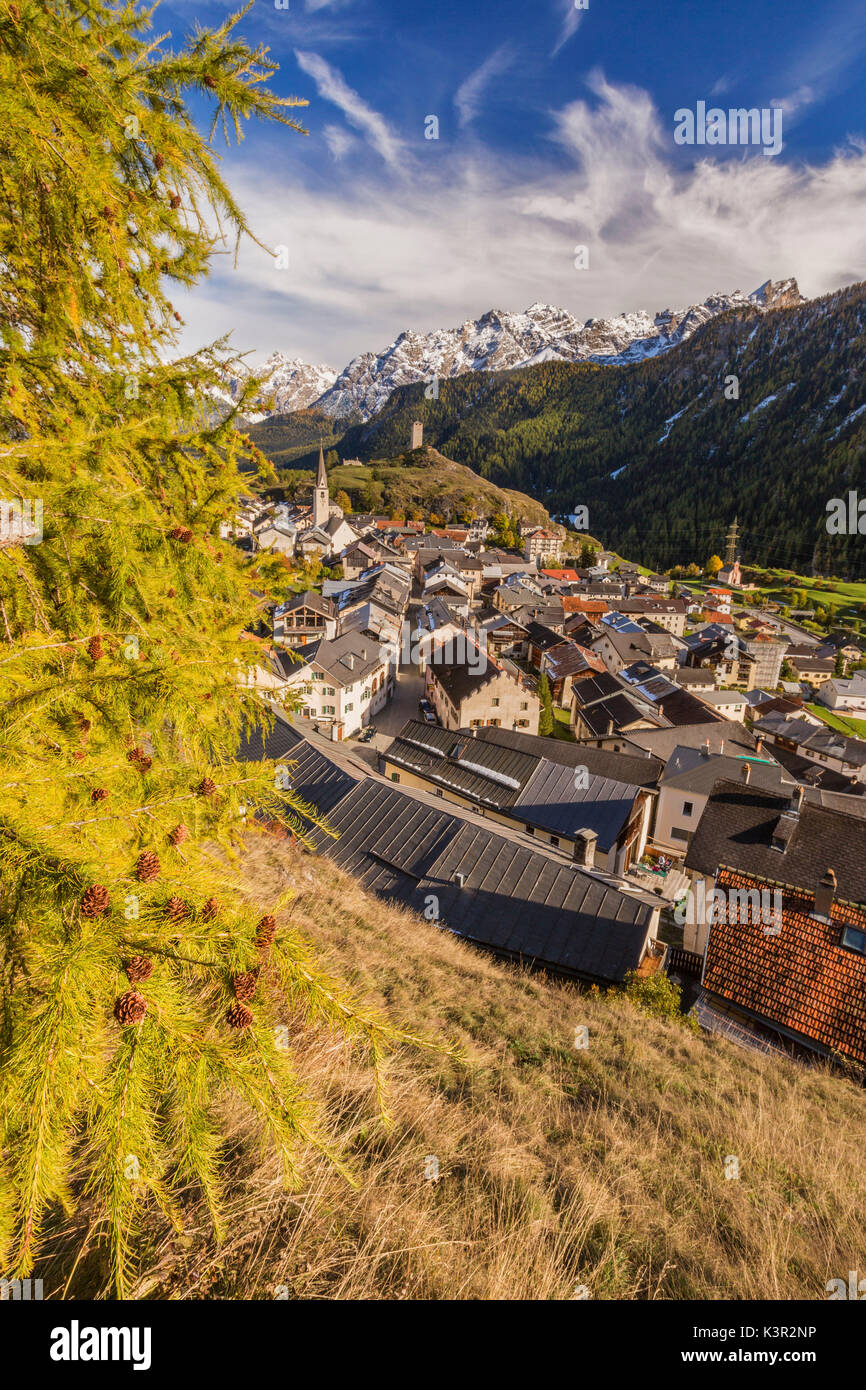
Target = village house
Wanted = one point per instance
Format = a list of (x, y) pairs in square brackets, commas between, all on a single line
[(845, 694), (480, 691), (540, 544), (685, 786), (305, 618), (341, 684)]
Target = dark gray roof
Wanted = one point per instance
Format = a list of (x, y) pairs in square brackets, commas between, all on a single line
[(524, 785), (312, 776), (621, 767), (514, 900), (690, 769), (662, 742), (737, 829)]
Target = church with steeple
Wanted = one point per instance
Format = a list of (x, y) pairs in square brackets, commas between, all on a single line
[(322, 529)]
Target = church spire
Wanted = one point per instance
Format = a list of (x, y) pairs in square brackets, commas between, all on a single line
[(321, 498)]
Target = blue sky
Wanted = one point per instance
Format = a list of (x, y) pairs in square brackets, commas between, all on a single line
[(555, 130)]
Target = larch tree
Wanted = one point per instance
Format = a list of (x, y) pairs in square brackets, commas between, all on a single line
[(132, 971)]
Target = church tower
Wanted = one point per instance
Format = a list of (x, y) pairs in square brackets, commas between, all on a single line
[(321, 500)]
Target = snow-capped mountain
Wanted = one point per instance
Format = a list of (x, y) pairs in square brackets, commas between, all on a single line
[(290, 383), (499, 341)]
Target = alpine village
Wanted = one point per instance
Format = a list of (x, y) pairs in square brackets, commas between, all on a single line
[(433, 850)]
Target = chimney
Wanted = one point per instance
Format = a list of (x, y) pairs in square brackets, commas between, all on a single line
[(824, 895), (584, 848), (609, 729), (746, 772), (351, 660), (705, 748), (759, 745), (795, 805), (459, 879)]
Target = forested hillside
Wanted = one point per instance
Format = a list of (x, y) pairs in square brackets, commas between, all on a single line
[(665, 453)]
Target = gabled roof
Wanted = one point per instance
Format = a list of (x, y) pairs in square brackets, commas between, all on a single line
[(692, 769), (801, 979), (738, 826), (620, 767)]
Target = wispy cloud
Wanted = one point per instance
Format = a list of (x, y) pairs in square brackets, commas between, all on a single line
[(468, 96), (570, 17), (331, 85), (377, 255)]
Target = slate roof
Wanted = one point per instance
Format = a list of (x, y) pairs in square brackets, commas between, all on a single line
[(689, 769), (524, 785), (737, 829), (514, 900), (621, 767), (802, 979), (814, 738)]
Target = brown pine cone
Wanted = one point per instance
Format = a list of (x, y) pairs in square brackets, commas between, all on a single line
[(158, 160), (239, 1016), (265, 932), (172, 593), (244, 985), (98, 794), (94, 648), (206, 787), (210, 910), (209, 82), (139, 968), (174, 201), (95, 901), (139, 759), (176, 909), (179, 835), (130, 1007), (148, 866), (181, 533)]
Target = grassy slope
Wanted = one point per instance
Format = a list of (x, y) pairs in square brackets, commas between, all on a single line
[(559, 1167), (845, 723)]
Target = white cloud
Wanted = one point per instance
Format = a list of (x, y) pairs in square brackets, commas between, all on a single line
[(369, 258), (338, 140), (570, 19), (468, 96), (331, 85)]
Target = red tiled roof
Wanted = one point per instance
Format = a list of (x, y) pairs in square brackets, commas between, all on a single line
[(573, 603), (571, 575), (800, 979)]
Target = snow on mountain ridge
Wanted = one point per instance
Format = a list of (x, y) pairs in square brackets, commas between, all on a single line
[(500, 341)]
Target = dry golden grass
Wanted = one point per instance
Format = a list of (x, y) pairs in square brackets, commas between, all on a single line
[(558, 1167)]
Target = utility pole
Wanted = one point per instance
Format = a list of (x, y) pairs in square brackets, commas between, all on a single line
[(731, 550)]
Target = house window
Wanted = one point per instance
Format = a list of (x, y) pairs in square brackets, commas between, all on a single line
[(524, 704), (329, 690), (855, 940), (328, 709), (476, 723), (395, 777), (530, 829), (523, 723), (318, 675), (495, 701), (350, 706), (554, 840), (688, 807), (678, 834)]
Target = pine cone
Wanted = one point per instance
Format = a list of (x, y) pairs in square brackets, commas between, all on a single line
[(131, 1007), (209, 82), (95, 901), (148, 866), (174, 201), (139, 968), (239, 1016), (94, 648), (265, 932), (176, 909), (139, 759), (172, 593), (206, 787), (181, 533), (244, 985), (98, 794), (158, 160), (179, 835), (210, 910)]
